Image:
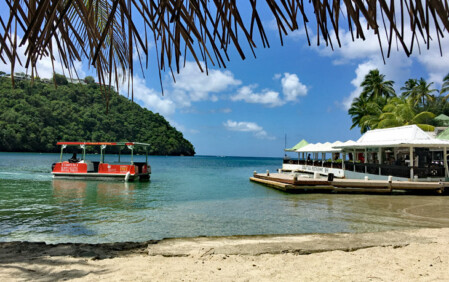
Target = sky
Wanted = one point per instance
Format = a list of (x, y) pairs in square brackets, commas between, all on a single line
[(256, 106)]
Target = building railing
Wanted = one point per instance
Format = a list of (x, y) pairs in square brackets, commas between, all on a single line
[(314, 163), (384, 169)]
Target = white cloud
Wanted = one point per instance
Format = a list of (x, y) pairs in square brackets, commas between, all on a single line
[(351, 50), (150, 98), (198, 86), (396, 69), (296, 35), (300, 33), (292, 87), (244, 126), (435, 64), (191, 86), (367, 55), (182, 128), (266, 97), (361, 71), (221, 110)]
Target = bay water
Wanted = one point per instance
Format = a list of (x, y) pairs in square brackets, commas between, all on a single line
[(186, 197)]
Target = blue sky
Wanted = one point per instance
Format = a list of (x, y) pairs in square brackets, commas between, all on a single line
[(296, 90)]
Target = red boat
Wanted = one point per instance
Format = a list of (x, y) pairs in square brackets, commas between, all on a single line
[(99, 170)]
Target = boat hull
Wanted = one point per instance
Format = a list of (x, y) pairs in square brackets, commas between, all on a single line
[(101, 171), (101, 176)]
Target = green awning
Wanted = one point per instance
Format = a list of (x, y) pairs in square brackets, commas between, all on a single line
[(298, 146), (442, 120)]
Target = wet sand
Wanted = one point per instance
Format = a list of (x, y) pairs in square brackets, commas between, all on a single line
[(421, 254)]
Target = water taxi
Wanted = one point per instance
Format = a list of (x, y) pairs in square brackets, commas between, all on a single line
[(100, 170)]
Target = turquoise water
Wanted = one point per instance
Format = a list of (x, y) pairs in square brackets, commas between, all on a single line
[(187, 196)]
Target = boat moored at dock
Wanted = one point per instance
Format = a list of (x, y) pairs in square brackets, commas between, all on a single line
[(100, 170)]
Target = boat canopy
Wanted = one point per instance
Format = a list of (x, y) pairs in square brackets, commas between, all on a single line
[(298, 146), (103, 146), (103, 143), (403, 136)]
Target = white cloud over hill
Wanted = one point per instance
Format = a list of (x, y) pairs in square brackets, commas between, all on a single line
[(245, 126), (292, 89)]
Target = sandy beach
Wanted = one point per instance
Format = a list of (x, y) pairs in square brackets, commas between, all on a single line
[(411, 255)]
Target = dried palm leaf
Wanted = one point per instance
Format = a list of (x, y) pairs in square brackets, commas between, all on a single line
[(107, 32)]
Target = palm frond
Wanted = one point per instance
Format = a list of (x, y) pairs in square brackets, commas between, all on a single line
[(426, 127), (107, 32), (423, 117)]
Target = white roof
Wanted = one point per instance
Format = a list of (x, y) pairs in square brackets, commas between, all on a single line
[(410, 135), (309, 148), (323, 147)]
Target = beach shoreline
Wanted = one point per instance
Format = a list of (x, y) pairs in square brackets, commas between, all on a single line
[(391, 255)]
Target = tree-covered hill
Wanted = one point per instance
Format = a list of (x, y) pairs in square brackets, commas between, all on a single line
[(33, 117)]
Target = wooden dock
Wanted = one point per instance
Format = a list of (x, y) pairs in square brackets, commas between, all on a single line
[(294, 184)]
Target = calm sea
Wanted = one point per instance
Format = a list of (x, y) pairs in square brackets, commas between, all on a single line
[(188, 196)]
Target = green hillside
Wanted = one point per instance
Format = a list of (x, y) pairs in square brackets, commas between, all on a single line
[(33, 117)]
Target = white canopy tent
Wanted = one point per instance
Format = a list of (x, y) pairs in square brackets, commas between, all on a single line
[(410, 136), (406, 136), (324, 147)]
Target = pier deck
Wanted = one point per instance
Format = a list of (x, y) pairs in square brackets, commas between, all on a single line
[(290, 183)]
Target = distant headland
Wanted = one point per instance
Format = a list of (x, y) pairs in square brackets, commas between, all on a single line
[(35, 115)]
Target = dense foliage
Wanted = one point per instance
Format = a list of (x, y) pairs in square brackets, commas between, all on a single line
[(380, 107), (33, 117)]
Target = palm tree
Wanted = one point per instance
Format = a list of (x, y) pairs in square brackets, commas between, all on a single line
[(422, 93), (375, 86), (364, 113), (401, 111), (445, 86), (408, 87)]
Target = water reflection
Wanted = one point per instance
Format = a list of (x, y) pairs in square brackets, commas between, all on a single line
[(65, 190), (86, 192)]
